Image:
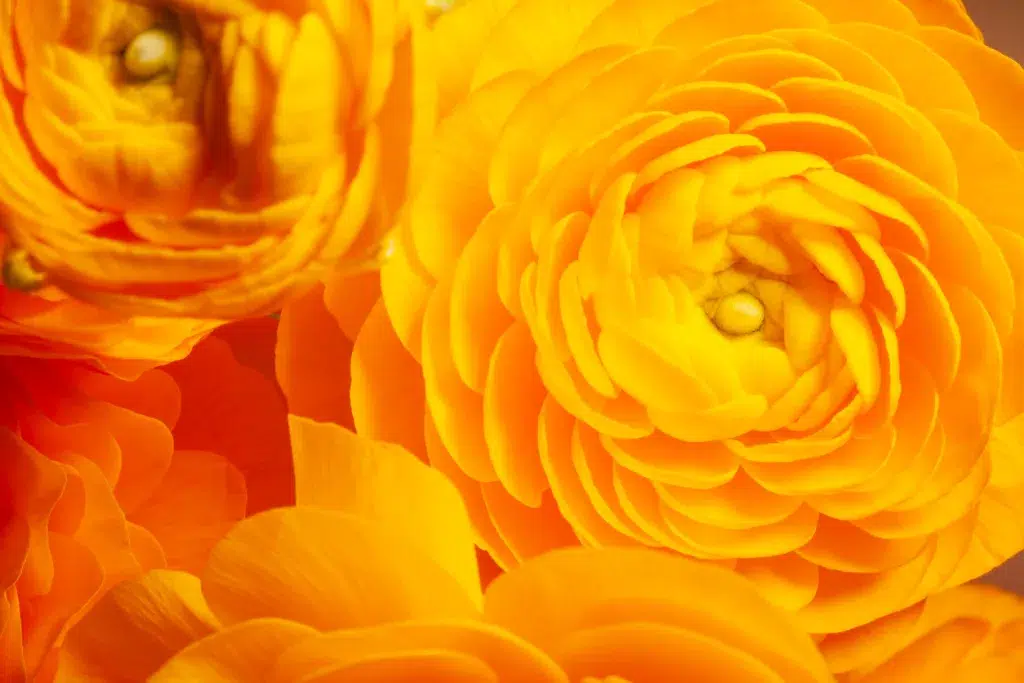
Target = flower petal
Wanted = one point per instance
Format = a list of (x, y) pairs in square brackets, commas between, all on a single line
[(568, 592), (383, 483), (135, 628), (340, 572)]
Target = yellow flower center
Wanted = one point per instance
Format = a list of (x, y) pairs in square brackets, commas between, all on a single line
[(439, 6), (151, 53), (739, 314), (19, 273)]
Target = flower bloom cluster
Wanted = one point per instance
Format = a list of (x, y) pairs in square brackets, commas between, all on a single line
[(313, 592), (589, 341)]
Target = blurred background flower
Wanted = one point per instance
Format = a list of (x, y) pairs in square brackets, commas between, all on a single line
[(202, 158), (102, 479)]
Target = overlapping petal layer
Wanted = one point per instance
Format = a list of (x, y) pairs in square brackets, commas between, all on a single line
[(47, 323), (203, 158), (737, 279), (103, 479), (314, 593), (970, 633)]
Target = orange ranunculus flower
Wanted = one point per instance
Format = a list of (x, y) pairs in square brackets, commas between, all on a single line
[(970, 634), (102, 479), (735, 278), (204, 158), (373, 578)]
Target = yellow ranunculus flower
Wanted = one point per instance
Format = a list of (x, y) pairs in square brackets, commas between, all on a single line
[(203, 158), (736, 278), (372, 577)]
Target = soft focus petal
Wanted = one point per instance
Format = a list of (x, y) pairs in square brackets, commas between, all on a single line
[(243, 652), (199, 499), (336, 571), (241, 417), (315, 379), (593, 610), (338, 470), (138, 626)]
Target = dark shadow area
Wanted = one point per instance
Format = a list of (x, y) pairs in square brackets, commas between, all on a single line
[(1002, 22)]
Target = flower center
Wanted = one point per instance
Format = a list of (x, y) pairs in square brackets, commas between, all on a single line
[(19, 273), (739, 314), (151, 53), (438, 7)]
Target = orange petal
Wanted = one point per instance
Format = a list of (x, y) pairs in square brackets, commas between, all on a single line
[(995, 80), (421, 650), (387, 386), (154, 393), (950, 13), (313, 360), (534, 35), (12, 656), (200, 498), (243, 652), (135, 628), (570, 592), (907, 58), (31, 487), (77, 579), (252, 342), (238, 413), (350, 298), (329, 570)]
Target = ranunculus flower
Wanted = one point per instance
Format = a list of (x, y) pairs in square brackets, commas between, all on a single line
[(204, 158), (735, 278), (373, 578), (103, 479), (970, 634)]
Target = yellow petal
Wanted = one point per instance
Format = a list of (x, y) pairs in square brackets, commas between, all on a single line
[(329, 570), (238, 654), (386, 485), (420, 651), (852, 330)]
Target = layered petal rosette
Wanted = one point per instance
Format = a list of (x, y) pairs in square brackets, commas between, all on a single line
[(203, 158), (103, 479), (967, 634), (733, 278), (372, 578)]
